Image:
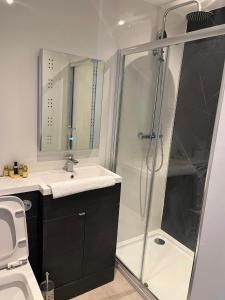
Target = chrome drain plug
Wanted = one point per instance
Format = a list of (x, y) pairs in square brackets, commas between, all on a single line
[(159, 241)]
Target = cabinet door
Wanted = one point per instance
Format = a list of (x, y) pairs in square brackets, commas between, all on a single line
[(63, 248), (100, 237)]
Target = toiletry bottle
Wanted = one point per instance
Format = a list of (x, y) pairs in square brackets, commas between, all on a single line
[(16, 170), (11, 172), (25, 171), (6, 171), (21, 170)]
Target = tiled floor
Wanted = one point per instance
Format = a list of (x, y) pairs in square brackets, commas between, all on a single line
[(119, 289)]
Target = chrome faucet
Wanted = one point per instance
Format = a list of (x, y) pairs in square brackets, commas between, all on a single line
[(70, 162)]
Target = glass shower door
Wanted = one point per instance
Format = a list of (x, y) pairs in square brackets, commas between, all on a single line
[(190, 98), (140, 110), (158, 258)]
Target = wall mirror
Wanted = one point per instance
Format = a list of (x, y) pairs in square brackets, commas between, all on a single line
[(70, 101)]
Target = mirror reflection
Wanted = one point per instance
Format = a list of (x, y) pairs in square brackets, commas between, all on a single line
[(70, 88)]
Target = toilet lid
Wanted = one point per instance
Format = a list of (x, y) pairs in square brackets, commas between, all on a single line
[(13, 232)]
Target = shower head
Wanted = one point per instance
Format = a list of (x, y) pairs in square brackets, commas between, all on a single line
[(194, 16), (199, 17)]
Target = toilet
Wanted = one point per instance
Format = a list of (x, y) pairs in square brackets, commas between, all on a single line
[(17, 281)]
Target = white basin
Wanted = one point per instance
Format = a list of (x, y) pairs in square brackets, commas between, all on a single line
[(79, 173), (57, 176), (82, 179)]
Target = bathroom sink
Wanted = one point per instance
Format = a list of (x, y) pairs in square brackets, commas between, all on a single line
[(58, 176), (79, 173), (82, 179)]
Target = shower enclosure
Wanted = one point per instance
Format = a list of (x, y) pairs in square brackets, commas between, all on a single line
[(167, 110)]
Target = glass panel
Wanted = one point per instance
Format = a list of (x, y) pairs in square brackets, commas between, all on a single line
[(191, 92), (137, 114)]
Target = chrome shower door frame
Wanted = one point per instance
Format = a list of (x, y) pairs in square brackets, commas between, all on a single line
[(165, 43)]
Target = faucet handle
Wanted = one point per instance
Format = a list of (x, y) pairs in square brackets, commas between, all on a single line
[(75, 161), (70, 157)]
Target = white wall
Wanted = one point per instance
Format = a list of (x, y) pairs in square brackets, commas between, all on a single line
[(83, 27)]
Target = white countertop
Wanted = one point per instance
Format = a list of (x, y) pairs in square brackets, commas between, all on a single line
[(35, 181)]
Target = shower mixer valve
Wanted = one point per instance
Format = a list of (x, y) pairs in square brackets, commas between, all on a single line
[(150, 136)]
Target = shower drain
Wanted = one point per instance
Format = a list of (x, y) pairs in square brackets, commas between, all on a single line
[(159, 241)]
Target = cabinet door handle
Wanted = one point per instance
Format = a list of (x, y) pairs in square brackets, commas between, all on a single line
[(82, 214)]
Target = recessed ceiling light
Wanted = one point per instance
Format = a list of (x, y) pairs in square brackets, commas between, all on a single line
[(121, 22), (10, 1)]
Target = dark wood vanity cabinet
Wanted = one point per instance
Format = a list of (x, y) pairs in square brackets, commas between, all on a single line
[(79, 240)]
